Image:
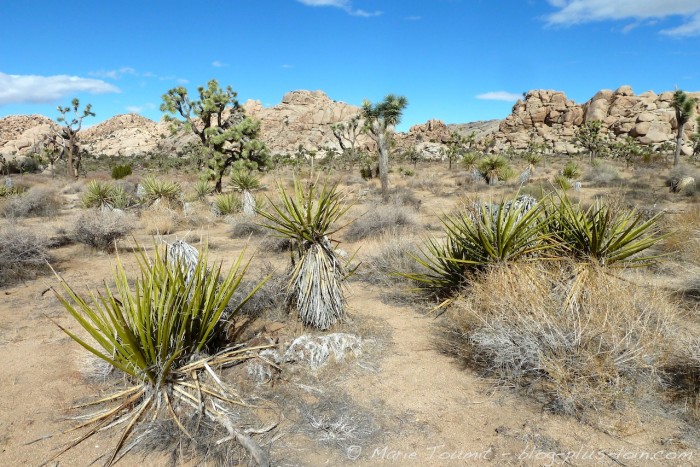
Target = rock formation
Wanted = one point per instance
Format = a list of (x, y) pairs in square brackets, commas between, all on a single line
[(549, 116), (21, 134), (124, 135)]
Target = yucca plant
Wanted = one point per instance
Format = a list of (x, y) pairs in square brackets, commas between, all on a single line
[(602, 233), (226, 204), (98, 194), (494, 169), (245, 181), (308, 217), (562, 182), (571, 170), (470, 160), (159, 334), (493, 234), (202, 189), (122, 198), (165, 191)]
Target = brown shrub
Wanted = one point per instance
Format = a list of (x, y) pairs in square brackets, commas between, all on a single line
[(23, 254), (578, 338), (36, 202), (102, 229)]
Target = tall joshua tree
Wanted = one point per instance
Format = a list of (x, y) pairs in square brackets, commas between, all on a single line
[(380, 120), (684, 106), (67, 137), (227, 135)]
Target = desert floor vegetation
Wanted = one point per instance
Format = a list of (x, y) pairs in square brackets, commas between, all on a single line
[(490, 319)]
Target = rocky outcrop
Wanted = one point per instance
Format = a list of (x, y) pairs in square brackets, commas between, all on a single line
[(550, 116), (302, 118), (124, 135), (21, 134)]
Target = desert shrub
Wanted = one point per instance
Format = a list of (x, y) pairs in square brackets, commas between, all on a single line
[(532, 158), (244, 180), (226, 204), (162, 191), (571, 170), (379, 220), (685, 173), (102, 229), (23, 254), (160, 220), (36, 202), (307, 217), (602, 175), (430, 182), (577, 339), (475, 239), (121, 171), (98, 194), (242, 228), (122, 198), (403, 196), (604, 233), (161, 334), (394, 254), (494, 169)]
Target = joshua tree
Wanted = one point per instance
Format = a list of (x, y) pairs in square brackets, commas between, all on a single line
[(590, 137), (225, 132), (457, 145), (67, 137), (684, 106), (347, 133), (380, 120)]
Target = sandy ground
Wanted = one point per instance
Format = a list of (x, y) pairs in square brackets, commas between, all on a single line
[(426, 408)]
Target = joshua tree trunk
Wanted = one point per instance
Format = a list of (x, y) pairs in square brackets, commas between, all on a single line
[(679, 143), (383, 162)]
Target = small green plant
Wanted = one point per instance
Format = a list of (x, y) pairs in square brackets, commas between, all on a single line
[(121, 171), (307, 217), (165, 191), (571, 170), (160, 333), (603, 233), (470, 160), (562, 182), (98, 194), (122, 199), (493, 234), (494, 169), (226, 204), (202, 189), (245, 181)]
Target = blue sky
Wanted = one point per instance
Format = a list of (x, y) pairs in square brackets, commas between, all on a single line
[(457, 61)]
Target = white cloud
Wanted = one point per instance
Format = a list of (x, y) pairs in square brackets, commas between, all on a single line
[(287, 66), (584, 11), (345, 5), (137, 109), (499, 96), (113, 74), (16, 89), (218, 64), (413, 18)]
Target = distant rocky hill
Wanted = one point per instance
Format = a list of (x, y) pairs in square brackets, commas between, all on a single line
[(304, 118), (550, 116)]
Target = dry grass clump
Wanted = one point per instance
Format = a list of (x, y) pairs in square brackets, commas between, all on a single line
[(160, 220), (379, 220), (431, 182), (603, 175), (403, 196), (102, 229), (392, 253), (243, 227), (578, 338), (22, 254), (36, 202), (683, 238)]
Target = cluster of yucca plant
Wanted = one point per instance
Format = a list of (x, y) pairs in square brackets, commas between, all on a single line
[(202, 189), (495, 168), (489, 234), (163, 191), (226, 204), (308, 216), (159, 333), (98, 194), (518, 229)]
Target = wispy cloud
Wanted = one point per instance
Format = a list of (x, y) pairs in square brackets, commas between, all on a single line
[(16, 89), (218, 64), (499, 96), (287, 66), (413, 18), (113, 74), (137, 109), (584, 11), (345, 5)]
